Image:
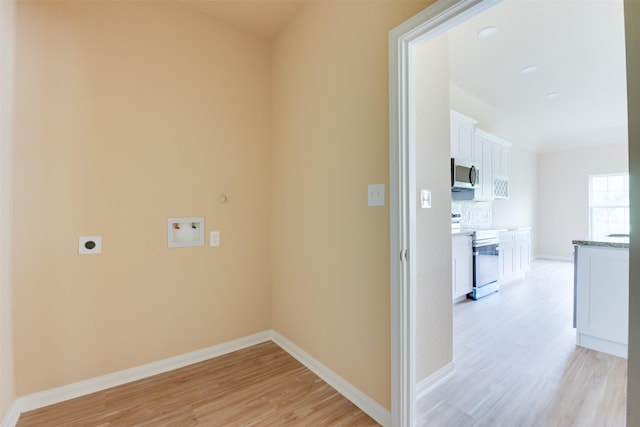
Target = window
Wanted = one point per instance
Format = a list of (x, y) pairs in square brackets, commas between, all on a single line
[(608, 204)]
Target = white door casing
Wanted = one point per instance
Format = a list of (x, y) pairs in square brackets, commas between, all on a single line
[(431, 22)]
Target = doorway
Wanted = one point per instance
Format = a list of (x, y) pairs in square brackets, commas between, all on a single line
[(434, 21)]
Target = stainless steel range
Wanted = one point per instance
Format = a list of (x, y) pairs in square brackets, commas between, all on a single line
[(485, 263)]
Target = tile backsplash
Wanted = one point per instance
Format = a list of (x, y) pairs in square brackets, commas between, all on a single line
[(473, 214)]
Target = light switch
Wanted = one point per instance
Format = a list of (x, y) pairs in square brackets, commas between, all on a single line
[(376, 195), (425, 199), (214, 238)]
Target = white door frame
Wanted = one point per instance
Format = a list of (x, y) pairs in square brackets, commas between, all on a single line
[(436, 19)]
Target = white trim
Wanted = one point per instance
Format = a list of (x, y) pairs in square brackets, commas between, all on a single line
[(436, 19), (372, 408), (555, 258), (11, 418), (7, 125), (70, 391), (603, 345), (59, 394), (493, 138), (434, 380)]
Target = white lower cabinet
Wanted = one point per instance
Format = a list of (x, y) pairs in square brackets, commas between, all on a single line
[(461, 265), (602, 299), (515, 254), (506, 254), (522, 253)]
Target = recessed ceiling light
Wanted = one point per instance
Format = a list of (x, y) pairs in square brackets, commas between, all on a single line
[(487, 32), (529, 69), (553, 95)]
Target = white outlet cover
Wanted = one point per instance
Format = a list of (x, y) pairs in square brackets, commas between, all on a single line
[(214, 239), (90, 245), (375, 195)]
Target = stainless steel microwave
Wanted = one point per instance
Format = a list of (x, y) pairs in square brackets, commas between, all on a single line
[(464, 176)]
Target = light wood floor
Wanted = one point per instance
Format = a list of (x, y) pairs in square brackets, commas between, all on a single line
[(258, 386), (517, 363)]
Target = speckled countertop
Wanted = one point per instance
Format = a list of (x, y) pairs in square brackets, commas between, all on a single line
[(605, 242)]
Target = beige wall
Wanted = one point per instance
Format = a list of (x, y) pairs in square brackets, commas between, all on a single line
[(563, 193), (520, 209), (7, 40), (434, 328), (632, 33), (118, 130), (330, 252), (128, 113)]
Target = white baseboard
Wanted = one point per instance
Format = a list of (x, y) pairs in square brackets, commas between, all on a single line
[(600, 344), (81, 388), (555, 258), (372, 408), (11, 417), (434, 380), (70, 391)]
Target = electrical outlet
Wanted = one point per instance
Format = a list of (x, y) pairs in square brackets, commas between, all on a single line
[(90, 245)]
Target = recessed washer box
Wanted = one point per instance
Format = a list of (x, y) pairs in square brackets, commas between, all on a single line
[(183, 232)]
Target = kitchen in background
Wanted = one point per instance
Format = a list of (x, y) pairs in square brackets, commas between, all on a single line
[(484, 254)]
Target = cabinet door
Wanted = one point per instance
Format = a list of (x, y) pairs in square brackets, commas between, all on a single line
[(523, 251), (506, 255), (461, 265), (602, 295), (484, 163), (462, 137), (501, 161)]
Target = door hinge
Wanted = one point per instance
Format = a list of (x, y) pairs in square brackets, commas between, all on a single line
[(404, 255)]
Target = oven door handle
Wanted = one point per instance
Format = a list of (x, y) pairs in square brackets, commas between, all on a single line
[(485, 244)]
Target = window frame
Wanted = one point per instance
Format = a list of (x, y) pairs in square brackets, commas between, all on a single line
[(592, 207)]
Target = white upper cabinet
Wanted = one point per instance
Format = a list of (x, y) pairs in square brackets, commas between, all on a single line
[(501, 159), (488, 153), (462, 137), (484, 162), (501, 169)]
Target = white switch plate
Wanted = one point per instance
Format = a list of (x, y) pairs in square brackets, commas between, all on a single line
[(425, 199), (214, 238), (90, 245), (375, 195)]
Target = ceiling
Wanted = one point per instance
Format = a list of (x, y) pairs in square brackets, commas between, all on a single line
[(576, 45), (578, 49)]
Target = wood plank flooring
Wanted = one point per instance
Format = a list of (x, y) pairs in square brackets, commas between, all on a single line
[(259, 386), (517, 363)]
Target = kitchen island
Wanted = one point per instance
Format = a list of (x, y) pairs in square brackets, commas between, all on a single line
[(601, 294)]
